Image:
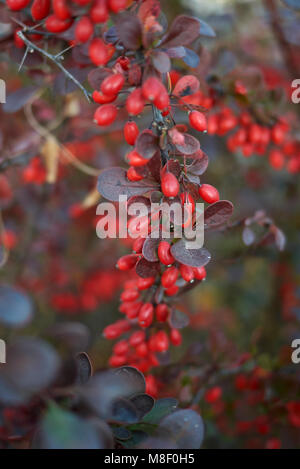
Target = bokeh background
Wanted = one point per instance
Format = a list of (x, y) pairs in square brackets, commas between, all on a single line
[(234, 365)]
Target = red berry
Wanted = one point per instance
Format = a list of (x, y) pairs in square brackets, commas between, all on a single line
[(278, 134), (198, 121), (61, 9), (276, 159), (213, 395), (19, 43), (131, 132), (162, 312), (175, 337), (40, 9), (112, 84), (127, 262), (117, 5), (162, 101), (161, 341), (99, 12), (152, 88), (84, 29), (55, 25), (101, 98), (138, 244), (117, 360), (17, 5), (106, 114), (169, 277), (187, 272), (135, 159), (172, 291), (129, 295), (135, 102), (164, 253), (133, 175), (187, 200), (170, 185), (200, 273), (121, 348), (142, 350), (145, 283), (98, 52), (146, 315), (137, 338), (209, 193)]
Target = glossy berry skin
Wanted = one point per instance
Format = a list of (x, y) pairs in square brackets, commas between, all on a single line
[(101, 98), (162, 312), (106, 114), (175, 337), (56, 25), (40, 9), (84, 29), (151, 88), (161, 342), (187, 272), (169, 277), (172, 291), (164, 253), (135, 159), (112, 84), (170, 185), (19, 43), (146, 315), (198, 121), (131, 132), (162, 101), (133, 175), (145, 283), (99, 12), (127, 262), (138, 244), (135, 102), (61, 9), (17, 5), (117, 5), (137, 338), (213, 395), (200, 273), (129, 295), (121, 347), (209, 193), (98, 52)]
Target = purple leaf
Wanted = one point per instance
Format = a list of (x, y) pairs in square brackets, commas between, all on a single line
[(178, 319), (205, 29), (184, 427), (129, 30), (191, 145), (17, 100), (217, 214), (191, 58), (113, 182), (176, 52), (199, 166), (191, 257), (161, 61), (147, 144), (147, 269), (183, 31), (150, 248), (96, 77)]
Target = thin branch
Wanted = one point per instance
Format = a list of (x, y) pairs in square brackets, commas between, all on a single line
[(53, 59)]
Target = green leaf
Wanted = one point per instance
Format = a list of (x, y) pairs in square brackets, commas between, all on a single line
[(161, 409)]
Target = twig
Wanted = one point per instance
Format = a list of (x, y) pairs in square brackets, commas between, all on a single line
[(45, 132), (53, 59)]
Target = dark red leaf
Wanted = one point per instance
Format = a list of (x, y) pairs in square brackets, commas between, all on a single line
[(150, 248), (191, 145), (183, 31), (147, 269), (217, 214), (113, 182), (96, 77), (191, 257), (199, 166), (129, 30), (147, 144)]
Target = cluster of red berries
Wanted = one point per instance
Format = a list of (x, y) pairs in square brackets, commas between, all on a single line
[(253, 138), (58, 16)]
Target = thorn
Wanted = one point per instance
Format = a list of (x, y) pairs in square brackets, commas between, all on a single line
[(23, 59)]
